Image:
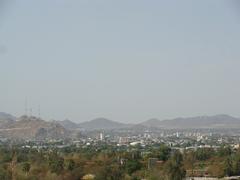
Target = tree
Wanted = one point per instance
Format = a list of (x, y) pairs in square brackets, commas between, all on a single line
[(164, 152), (4, 174), (109, 172), (56, 163), (190, 159), (26, 167), (22, 156), (224, 151), (228, 168), (71, 165), (132, 166), (203, 154), (174, 167), (237, 164)]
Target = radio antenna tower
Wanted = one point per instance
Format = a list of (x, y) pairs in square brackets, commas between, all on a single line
[(39, 112), (26, 107)]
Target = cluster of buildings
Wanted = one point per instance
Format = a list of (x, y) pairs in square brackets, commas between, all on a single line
[(182, 139)]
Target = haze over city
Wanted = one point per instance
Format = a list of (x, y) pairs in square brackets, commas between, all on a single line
[(128, 61), (119, 90)]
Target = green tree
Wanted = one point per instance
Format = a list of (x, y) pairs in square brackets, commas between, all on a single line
[(109, 172), (228, 167), (71, 165), (132, 166), (237, 164), (203, 154), (26, 167), (224, 151), (22, 156), (56, 163), (4, 174), (164, 152), (174, 167)]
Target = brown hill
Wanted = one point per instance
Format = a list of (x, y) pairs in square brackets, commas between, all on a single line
[(33, 128)]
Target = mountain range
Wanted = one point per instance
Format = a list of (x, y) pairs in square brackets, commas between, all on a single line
[(199, 122), (95, 124), (220, 121), (26, 127)]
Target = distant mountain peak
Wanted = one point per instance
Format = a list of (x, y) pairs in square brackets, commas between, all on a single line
[(151, 122), (101, 119), (68, 124), (101, 123), (4, 116)]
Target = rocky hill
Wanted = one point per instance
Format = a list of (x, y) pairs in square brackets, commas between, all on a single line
[(33, 128)]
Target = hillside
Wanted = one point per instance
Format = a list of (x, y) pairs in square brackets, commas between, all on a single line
[(6, 119), (217, 121), (33, 128), (154, 122), (68, 124), (101, 123), (213, 122), (4, 115)]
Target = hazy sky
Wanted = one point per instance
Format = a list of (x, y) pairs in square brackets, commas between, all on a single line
[(127, 60)]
